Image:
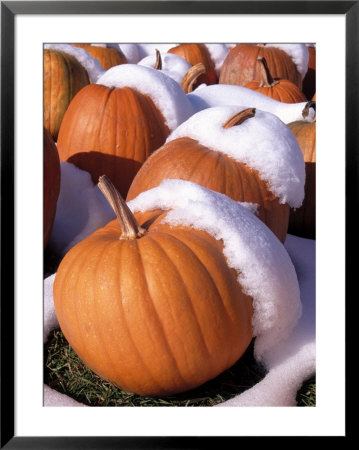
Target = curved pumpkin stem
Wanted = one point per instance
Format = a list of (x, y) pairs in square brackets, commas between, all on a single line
[(240, 117), (310, 104), (129, 226), (190, 77), (266, 79), (158, 63)]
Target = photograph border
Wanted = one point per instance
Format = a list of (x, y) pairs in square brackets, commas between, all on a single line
[(9, 9)]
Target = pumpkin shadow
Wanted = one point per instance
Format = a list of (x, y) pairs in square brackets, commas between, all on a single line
[(121, 171)]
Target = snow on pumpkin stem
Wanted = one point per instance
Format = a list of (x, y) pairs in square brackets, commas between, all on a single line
[(130, 229), (190, 77), (240, 117)]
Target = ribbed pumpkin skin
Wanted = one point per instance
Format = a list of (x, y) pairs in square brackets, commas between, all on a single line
[(194, 54), (52, 177), (157, 315), (111, 131), (240, 66), (64, 76), (302, 220), (283, 91), (186, 159), (107, 57)]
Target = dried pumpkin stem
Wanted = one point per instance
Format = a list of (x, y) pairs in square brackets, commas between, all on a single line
[(240, 117), (266, 79), (158, 63), (307, 107), (191, 76), (129, 226)]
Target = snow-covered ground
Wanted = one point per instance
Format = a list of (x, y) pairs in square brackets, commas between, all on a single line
[(290, 356)]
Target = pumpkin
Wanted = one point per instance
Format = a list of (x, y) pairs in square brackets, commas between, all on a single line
[(153, 308), (185, 157), (240, 66), (309, 80), (64, 76), (51, 187), (194, 54), (302, 220), (279, 89), (107, 56), (113, 126)]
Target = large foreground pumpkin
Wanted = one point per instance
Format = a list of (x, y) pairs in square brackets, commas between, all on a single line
[(52, 177), (154, 309)]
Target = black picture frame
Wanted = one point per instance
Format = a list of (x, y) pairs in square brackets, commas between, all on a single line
[(9, 9)]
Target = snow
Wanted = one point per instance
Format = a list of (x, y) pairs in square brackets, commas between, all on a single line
[(149, 49), (131, 51), (271, 272), (81, 209), (299, 54), (173, 66), (218, 53), (92, 65), (166, 93), (224, 94), (262, 142)]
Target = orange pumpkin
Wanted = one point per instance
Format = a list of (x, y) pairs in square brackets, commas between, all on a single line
[(194, 54), (107, 56), (240, 66), (185, 158), (52, 177), (279, 89), (112, 131), (155, 308), (302, 220), (64, 76)]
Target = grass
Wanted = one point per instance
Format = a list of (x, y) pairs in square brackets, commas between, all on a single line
[(66, 373)]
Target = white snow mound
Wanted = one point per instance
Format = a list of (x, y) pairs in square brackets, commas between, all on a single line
[(262, 142), (229, 94), (173, 65), (265, 270)]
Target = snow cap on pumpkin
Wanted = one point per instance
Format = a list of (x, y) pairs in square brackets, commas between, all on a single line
[(165, 93), (299, 54), (228, 94), (218, 53), (263, 142), (265, 270), (172, 65), (91, 64)]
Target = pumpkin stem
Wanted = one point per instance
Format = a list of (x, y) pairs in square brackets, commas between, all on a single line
[(190, 77), (266, 79), (240, 117), (305, 112), (129, 226), (158, 63)]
